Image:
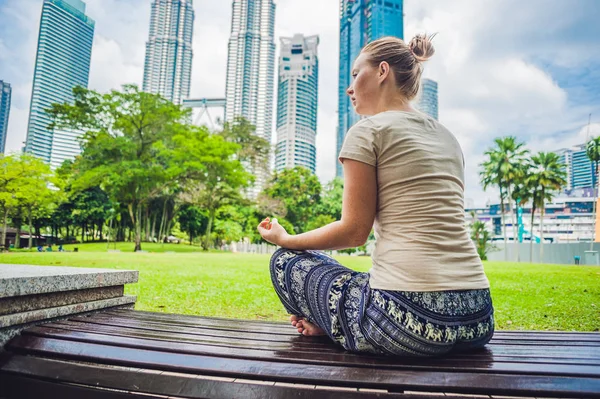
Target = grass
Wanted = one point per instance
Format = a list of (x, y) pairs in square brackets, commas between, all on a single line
[(527, 297)]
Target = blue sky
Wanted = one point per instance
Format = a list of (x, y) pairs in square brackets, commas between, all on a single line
[(527, 68)]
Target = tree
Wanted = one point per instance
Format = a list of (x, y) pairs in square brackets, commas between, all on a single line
[(504, 168), (125, 144), (546, 178), (482, 238), (192, 220), (213, 176), (25, 185), (593, 152), (300, 192), (331, 199), (253, 150)]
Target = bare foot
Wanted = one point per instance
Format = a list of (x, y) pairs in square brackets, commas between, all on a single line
[(305, 327)]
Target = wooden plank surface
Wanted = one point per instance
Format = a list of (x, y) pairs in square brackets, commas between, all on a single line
[(548, 364)]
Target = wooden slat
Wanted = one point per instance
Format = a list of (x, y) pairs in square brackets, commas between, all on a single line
[(281, 327), (395, 379), (582, 351), (441, 364), (20, 370), (530, 355)]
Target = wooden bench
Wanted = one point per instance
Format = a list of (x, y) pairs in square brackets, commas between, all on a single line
[(126, 353)]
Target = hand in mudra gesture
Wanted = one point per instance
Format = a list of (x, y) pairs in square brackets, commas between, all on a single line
[(272, 231)]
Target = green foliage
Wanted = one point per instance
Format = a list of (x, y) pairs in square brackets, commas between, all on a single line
[(331, 199), (505, 165), (482, 239), (192, 220), (125, 144), (214, 176), (300, 192), (25, 190)]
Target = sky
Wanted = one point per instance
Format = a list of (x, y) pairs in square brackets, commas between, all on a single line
[(504, 67)]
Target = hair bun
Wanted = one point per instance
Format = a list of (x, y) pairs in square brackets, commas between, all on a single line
[(421, 47)]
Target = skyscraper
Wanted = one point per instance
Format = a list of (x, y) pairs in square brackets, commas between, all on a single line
[(579, 168), (250, 70), (5, 94), (361, 21), (168, 65), (62, 62), (297, 96), (428, 98)]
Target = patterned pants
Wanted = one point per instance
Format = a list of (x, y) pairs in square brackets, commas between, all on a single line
[(313, 285)]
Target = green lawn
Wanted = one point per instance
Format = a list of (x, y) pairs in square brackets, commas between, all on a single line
[(530, 297)]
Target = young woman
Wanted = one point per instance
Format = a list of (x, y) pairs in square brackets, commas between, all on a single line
[(426, 293)]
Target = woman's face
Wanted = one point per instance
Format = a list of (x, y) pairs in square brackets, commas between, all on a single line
[(365, 87)]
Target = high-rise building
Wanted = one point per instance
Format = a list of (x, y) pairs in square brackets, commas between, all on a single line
[(5, 94), (297, 96), (579, 168), (250, 70), (361, 21), (168, 65), (428, 98), (62, 62)]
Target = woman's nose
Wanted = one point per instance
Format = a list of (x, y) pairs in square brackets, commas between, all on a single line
[(350, 91)]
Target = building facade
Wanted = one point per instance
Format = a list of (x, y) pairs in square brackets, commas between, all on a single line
[(250, 71), (5, 96), (361, 21), (168, 64), (62, 62), (297, 98), (566, 219), (579, 169), (427, 101)]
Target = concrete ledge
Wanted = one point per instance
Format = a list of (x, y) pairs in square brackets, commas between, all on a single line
[(19, 280), (59, 311), (26, 303), (31, 295)]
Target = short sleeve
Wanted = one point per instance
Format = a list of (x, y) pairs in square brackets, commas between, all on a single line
[(359, 144)]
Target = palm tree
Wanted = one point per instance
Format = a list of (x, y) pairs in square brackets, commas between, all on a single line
[(491, 175), (547, 177), (593, 152), (504, 168)]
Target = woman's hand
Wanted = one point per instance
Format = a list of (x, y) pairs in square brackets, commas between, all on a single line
[(273, 232)]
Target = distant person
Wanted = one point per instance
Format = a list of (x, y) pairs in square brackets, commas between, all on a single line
[(426, 293)]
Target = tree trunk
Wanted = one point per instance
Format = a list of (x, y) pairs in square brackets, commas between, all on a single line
[(138, 230), (153, 232), (503, 225), (594, 210), (30, 228), (18, 236), (543, 206), (211, 217), (531, 234), (4, 228), (147, 223), (82, 233), (100, 226), (513, 221), (162, 222)]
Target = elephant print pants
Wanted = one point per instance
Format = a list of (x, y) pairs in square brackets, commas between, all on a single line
[(339, 300)]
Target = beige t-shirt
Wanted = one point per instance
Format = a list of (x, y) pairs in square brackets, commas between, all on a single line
[(422, 241)]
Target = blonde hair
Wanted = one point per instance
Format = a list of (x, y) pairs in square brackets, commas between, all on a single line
[(404, 60)]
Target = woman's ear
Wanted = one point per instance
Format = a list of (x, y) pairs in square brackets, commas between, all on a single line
[(384, 70)]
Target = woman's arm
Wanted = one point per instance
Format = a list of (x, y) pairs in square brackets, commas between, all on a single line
[(358, 213)]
